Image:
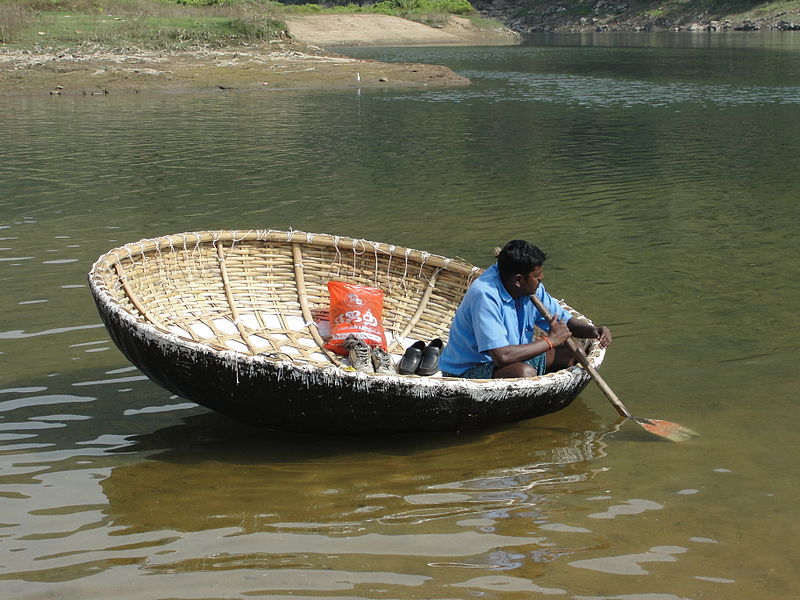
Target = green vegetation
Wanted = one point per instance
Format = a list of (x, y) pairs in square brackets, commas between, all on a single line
[(713, 9), (385, 7), (165, 24), (14, 18), (175, 24), (483, 22), (429, 12), (134, 23)]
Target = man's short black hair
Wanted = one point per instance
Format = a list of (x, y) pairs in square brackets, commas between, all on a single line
[(518, 257)]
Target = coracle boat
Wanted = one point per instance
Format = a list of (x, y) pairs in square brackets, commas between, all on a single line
[(226, 319)]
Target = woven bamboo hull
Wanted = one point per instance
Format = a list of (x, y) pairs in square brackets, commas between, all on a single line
[(226, 373)]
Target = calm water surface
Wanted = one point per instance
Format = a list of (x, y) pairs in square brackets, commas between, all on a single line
[(660, 172)]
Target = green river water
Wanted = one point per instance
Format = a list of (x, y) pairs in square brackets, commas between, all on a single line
[(661, 175)]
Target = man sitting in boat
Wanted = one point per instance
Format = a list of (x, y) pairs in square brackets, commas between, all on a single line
[(492, 331)]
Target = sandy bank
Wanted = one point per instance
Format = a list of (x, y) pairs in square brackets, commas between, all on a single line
[(280, 64), (384, 30)]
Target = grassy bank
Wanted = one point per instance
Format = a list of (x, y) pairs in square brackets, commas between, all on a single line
[(100, 47), (134, 24), (429, 12), (162, 24)]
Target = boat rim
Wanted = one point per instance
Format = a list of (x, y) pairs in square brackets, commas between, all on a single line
[(157, 335)]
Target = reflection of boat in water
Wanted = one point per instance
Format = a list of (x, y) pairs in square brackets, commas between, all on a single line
[(225, 319), (211, 472)]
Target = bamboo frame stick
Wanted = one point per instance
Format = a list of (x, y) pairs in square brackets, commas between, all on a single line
[(299, 277), (423, 302), (226, 285), (293, 237), (123, 279)]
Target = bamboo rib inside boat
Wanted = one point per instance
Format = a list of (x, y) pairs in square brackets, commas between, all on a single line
[(300, 280)]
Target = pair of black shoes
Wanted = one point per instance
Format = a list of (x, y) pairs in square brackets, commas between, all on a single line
[(421, 359)]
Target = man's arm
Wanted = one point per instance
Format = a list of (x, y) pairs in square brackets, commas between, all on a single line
[(578, 327), (582, 329), (507, 355)]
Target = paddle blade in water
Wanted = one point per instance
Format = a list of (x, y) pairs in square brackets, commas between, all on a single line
[(671, 431)]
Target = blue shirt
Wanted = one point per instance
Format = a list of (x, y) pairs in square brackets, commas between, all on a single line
[(488, 317)]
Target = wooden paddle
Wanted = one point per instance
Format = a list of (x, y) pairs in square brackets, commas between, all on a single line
[(664, 429)]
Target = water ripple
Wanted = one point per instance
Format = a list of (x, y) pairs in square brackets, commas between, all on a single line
[(583, 91), (20, 334), (630, 564), (656, 192), (34, 401)]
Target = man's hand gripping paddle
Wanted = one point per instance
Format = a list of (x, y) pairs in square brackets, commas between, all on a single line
[(664, 429)]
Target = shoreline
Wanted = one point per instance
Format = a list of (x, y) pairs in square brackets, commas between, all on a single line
[(304, 59), (296, 62), (289, 65)]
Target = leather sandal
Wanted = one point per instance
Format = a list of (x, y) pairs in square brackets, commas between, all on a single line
[(429, 364), (410, 362)]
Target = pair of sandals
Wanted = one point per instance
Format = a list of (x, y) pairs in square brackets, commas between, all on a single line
[(421, 359)]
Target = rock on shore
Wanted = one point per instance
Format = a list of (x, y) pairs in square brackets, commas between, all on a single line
[(620, 15)]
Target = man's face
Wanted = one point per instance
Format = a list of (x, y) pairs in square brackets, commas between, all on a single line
[(529, 282)]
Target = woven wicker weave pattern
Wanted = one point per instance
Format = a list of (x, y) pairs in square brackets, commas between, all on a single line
[(254, 292)]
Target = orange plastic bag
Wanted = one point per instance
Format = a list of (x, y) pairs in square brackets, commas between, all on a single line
[(355, 310)]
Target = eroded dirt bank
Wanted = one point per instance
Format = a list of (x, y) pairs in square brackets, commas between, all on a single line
[(288, 65)]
